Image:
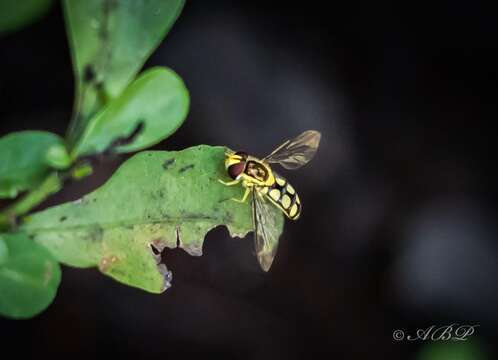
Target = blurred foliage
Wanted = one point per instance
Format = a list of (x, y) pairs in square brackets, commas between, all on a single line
[(29, 276), (452, 350), (4, 252), (110, 41), (26, 158), (15, 14), (149, 110)]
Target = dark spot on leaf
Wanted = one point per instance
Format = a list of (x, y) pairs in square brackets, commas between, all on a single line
[(107, 7), (89, 74), (194, 216), (104, 33), (112, 4), (99, 85), (63, 218), (91, 78), (168, 163), (95, 234), (125, 140), (186, 167), (228, 218)]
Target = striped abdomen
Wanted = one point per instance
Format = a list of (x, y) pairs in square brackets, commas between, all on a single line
[(282, 194)]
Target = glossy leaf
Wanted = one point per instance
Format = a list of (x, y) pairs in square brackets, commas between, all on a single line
[(15, 14), (110, 41), (156, 198), (148, 111), (29, 278), (26, 157)]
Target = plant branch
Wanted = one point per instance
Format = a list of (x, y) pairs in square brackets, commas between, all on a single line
[(50, 185)]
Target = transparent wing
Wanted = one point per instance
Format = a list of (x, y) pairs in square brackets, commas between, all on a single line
[(266, 231), (294, 153)]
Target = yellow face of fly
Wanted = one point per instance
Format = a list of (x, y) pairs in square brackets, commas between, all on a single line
[(232, 159), (270, 189)]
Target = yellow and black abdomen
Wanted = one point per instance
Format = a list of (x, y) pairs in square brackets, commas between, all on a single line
[(282, 194)]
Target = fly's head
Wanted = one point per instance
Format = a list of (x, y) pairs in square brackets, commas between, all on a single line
[(235, 163)]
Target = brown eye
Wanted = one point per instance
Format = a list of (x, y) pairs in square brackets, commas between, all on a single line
[(236, 169), (242, 154)]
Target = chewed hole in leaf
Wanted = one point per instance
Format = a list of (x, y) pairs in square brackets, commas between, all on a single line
[(158, 251), (167, 275), (155, 250)]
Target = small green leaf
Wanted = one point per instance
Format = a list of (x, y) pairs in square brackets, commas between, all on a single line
[(15, 14), (156, 198), (26, 157), (81, 170), (110, 41), (57, 157), (148, 111), (28, 279)]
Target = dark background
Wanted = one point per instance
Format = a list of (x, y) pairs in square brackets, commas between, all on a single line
[(399, 223)]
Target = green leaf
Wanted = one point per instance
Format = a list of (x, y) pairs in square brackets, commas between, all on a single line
[(164, 199), (80, 171), (15, 14), (110, 41), (4, 252), (453, 350), (28, 278), (148, 111), (26, 158), (57, 157)]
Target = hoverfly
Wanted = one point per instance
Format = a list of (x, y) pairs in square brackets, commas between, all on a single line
[(270, 189)]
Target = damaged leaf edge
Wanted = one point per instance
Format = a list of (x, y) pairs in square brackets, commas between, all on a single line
[(162, 268)]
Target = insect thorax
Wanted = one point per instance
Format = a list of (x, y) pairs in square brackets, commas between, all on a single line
[(259, 172)]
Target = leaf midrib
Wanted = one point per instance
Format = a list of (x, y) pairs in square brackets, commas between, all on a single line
[(111, 225)]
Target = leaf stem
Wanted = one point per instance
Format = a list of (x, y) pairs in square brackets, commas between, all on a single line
[(50, 185)]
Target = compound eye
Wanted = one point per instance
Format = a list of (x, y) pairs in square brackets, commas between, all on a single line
[(242, 154), (236, 169)]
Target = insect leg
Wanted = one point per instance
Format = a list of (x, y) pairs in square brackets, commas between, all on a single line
[(244, 198), (230, 183)]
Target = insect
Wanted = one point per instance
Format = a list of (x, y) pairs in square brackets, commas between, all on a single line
[(269, 188)]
